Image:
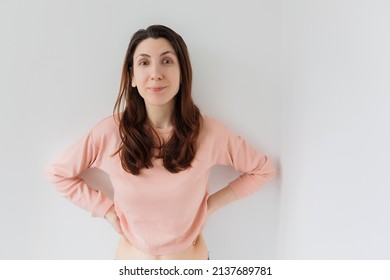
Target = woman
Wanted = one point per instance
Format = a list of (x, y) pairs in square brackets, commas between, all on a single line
[(158, 151)]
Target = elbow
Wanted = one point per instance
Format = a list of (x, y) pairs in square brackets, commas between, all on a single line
[(268, 169), (51, 174)]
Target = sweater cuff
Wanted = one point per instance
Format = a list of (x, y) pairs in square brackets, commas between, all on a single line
[(102, 204)]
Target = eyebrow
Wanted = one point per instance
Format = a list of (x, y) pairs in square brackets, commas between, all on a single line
[(162, 54)]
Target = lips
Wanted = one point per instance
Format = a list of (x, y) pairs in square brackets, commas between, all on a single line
[(156, 89)]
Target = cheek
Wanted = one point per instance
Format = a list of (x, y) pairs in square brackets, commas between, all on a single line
[(139, 78), (176, 76)]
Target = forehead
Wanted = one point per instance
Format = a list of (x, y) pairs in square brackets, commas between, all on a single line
[(151, 46)]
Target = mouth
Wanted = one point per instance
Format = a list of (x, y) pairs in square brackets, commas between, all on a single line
[(156, 89)]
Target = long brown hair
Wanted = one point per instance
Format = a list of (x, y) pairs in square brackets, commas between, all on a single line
[(137, 134)]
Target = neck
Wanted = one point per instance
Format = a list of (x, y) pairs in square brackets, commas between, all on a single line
[(160, 116)]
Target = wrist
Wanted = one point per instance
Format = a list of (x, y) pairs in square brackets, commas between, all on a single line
[(211, 205), (109, 211)]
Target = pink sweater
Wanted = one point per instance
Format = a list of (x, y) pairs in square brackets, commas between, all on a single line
[(160, 212)]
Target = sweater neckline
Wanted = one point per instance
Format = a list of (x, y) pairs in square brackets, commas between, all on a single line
[(164, 130)]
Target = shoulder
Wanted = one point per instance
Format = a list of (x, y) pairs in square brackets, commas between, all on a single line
[(212, 125), (106, 128), (107, 123), (214, 131)]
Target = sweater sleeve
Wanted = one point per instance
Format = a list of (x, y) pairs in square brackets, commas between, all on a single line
[(256, 168), (64, 174)]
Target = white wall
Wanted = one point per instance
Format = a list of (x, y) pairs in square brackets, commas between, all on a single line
[(60, 72), (303, 81), (335, 133)]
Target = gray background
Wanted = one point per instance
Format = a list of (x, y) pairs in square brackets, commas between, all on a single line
[(305, 82)]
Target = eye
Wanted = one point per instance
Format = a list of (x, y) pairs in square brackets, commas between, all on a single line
[(142, 63), (167, 61)]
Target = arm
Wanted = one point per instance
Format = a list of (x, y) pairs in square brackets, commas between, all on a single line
[(112, 218), (64, 173), (220, 199), (256, 169)]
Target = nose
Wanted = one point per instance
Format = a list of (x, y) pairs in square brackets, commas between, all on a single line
[(156, 74)]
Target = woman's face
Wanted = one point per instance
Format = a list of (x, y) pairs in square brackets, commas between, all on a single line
[(156, 73)]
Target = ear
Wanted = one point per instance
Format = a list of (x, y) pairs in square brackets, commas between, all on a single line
[(133, 83), (131, 76)]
